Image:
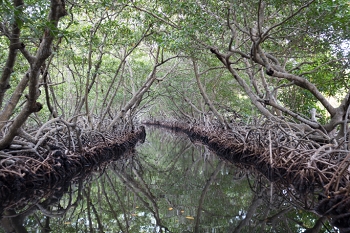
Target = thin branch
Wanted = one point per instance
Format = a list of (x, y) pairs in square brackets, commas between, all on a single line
[(166, 21), (266, 33)]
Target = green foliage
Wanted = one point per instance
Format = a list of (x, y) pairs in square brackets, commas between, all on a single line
[(93, 39)]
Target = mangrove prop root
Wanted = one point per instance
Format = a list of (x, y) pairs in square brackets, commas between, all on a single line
[(27, 177), (283, 155)]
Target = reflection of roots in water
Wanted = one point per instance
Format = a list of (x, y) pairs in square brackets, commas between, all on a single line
[(27, 178), (284, 155)]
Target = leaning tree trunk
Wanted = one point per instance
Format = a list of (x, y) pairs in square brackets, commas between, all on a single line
[(37, 62), (206, 98)]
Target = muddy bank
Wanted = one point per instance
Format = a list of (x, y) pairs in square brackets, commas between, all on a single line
[(23, 177)]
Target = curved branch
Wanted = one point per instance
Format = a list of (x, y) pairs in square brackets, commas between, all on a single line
[(293, 114), (305, 84), (12, 55), (166, 21), (243, 84), (266, 33), (205, 96), (57, 10)]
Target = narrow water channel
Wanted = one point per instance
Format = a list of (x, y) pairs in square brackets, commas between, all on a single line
[(168, 184)]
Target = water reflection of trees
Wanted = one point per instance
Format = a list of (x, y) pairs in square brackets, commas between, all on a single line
[(171, 185), (38, 213), (273, 210)]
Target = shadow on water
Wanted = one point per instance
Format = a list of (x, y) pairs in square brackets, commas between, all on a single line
[(168, 185)]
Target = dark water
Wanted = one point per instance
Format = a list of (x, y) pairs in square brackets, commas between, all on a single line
[(169, 184)]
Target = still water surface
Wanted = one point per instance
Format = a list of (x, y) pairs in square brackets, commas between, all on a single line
[(170, 184)]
